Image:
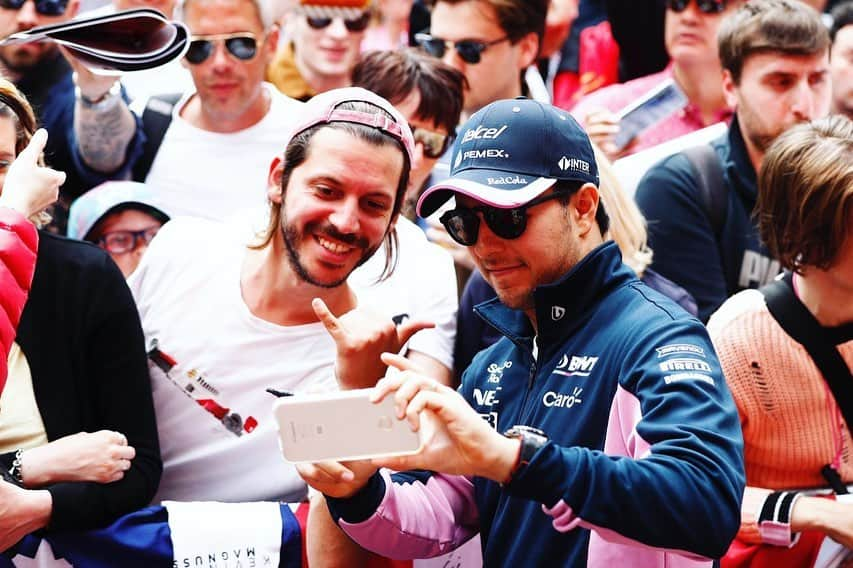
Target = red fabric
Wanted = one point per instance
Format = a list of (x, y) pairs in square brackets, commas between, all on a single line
[(598, 67), (18, 247), (374, 561), (801, 555)]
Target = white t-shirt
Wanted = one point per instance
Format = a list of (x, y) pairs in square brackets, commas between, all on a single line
[(187, 289), (211, 174)]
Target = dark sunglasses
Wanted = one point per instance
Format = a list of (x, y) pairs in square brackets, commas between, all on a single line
[(705, 6), (241, 45), (463, 223), (355, 25), (434, 144), (469, 50), (43, 7), (118, 242)]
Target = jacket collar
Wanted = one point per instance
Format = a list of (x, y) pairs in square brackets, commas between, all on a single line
[(738, 165), (563, 306)]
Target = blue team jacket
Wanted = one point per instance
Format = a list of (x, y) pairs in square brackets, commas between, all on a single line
[(644, 465)]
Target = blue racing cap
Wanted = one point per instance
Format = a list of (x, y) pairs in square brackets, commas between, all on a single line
[(512, 151)]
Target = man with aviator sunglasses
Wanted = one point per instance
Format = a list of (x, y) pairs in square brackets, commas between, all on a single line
[(580, 437), (324, 46)]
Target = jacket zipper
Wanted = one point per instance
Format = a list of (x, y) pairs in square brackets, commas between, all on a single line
[(530, 379)]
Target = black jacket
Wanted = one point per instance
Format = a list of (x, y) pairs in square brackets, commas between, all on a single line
[(82, 338)]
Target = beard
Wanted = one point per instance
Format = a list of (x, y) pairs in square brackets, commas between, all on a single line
[(293, 239)]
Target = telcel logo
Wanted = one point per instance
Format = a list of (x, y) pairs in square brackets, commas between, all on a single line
[(483, 133)]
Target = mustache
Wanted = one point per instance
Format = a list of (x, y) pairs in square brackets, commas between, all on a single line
[(351, 239)]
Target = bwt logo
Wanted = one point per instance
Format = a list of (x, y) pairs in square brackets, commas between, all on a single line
[(487, 153), (573, 164), (577, 366), (483, 133)]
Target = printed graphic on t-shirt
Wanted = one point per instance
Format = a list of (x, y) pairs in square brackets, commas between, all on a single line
[(195, 385)]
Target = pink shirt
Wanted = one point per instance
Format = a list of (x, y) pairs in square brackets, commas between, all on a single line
[(616, 97)]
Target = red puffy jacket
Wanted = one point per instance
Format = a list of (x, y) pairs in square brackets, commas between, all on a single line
[(18, 246)]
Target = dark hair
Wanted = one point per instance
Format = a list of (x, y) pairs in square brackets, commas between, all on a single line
[(760, 26), (394, 75), (297, 151), (842, 16), (805, 193), (517, 18), (569, 188)]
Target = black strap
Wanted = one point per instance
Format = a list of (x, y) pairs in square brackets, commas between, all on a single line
[(156, 119), (801, 325), (713, 191)]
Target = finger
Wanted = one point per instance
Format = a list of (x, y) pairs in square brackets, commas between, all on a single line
[(126, 452), (385, 386), (398, 362), (410, 387), (34, 149), (120, 438), (408, 328), (327, 318), (426, 399)]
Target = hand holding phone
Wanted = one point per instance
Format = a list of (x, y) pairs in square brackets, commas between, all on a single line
[(341, 426)]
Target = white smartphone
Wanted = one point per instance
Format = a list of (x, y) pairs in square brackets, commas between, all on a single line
[(341, 426)]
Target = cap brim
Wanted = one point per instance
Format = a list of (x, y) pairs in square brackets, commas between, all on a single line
[(470, 183)]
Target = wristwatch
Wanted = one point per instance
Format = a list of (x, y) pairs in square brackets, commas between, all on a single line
[(532, 440)]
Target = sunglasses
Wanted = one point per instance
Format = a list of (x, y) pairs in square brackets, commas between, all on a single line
[(355, 25), (469, 50), (705, 6), (434, 144), (43, 7), (118, 242), (242, 45), (463, 223)]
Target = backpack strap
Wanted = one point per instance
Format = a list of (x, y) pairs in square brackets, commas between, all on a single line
[(713, 191), (156, 119), (801, 325)]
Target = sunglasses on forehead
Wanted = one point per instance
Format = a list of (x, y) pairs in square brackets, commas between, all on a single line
[(353, 25), (43, 7), (434, 143), (705, 6), (463, 223), (241, 45), (469, 50)]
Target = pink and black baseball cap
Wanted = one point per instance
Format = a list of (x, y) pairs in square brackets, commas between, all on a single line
[(512, 151), (324, 109)]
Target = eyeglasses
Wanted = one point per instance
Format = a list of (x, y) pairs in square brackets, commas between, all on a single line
[(463, 223), (355, 25), (43, 7), (434, 143), (705, 6), (242, 45), (469, 50), (118, 242)]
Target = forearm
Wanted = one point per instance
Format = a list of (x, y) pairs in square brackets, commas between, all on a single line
[(103, 135)]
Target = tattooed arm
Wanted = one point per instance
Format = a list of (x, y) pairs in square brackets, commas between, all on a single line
[(103, 128), (103, 124)]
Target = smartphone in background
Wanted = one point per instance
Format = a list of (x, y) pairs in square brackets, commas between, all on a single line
[(341, 426), (648, 110)]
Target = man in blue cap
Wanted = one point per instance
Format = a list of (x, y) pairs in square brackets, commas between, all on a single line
[(598, 431)]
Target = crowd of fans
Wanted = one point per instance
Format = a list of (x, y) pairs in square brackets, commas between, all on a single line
[(317, 183)]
